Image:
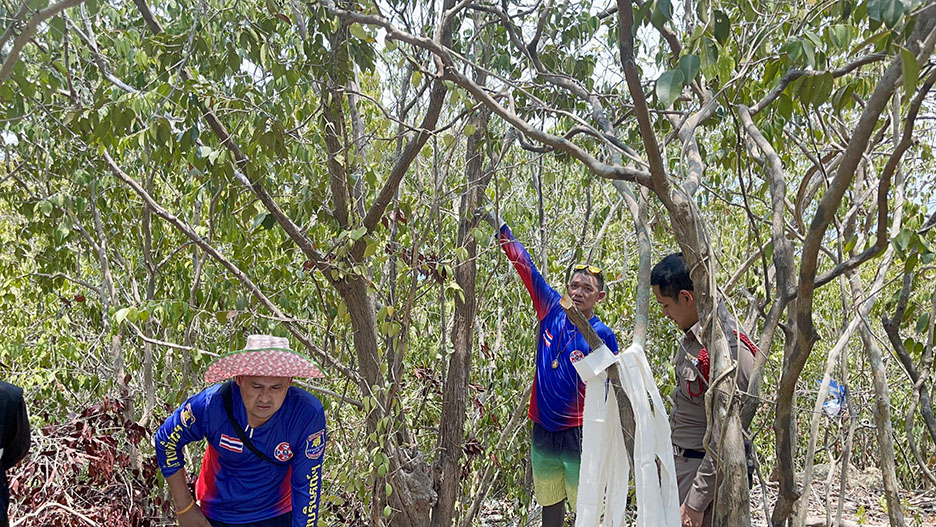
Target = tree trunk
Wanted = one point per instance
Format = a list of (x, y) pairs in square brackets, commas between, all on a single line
[(884, 428), (638, 209), (782, 260), (732, 506), (451, 430), (149, 389), (626, 411)]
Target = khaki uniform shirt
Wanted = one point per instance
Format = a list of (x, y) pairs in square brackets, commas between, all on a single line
[(687, 418)]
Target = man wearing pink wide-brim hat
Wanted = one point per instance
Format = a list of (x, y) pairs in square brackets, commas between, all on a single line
[(266, 440)]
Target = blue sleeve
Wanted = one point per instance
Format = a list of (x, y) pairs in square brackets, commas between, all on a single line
[(543, 296), (185, 425), (609, 339), (307, 471)]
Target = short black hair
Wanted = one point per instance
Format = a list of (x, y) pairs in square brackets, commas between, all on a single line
[(599, 277), (671, 275)]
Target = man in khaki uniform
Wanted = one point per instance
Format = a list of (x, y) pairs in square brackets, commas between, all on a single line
[(695, 469)]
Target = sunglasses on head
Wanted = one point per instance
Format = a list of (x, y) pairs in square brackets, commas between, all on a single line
[(590, 268)]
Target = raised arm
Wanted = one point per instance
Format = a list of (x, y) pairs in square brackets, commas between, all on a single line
[(544, 297)]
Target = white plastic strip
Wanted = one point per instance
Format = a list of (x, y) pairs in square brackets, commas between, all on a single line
[(603, 479), (594, 363)]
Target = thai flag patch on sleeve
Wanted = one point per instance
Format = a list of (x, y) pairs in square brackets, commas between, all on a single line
[(231, 443), (547, 338)]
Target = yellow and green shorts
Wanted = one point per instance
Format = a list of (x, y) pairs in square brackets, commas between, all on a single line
[(556, 458)]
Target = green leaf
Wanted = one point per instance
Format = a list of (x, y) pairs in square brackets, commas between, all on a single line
[(657, 18), (722, 27), (709, 50), (809, 49), (874, 8), (922, 323), (62, 230), (371, 249), (794, 50), (891, 11), (81, 177), (57, 26), (689, 66), (874, 40), (121, 315), (448, 139), (702, 10), (843, 97), (771, 69), (46, 208), (258, 220), (669, 86), (903, 239), (666, 9), (452, 286), (416, 79), (725, 66), (469, 129), (358, 233), (6, 93), (641, 14), (912, 261), (821, 89), (359, 32), (814, 38), (851, 243), (911, 71), (785, 105), (840, 35)]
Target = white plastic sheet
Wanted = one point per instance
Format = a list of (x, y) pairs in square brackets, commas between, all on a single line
[(605, 470)]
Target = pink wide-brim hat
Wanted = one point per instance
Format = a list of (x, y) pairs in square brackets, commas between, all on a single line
[(263, 356)]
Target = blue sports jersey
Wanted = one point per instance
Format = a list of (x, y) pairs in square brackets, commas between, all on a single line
[(236, 486), (558, 394)]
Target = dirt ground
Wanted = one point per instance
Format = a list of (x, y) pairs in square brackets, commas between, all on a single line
[(864, 505)]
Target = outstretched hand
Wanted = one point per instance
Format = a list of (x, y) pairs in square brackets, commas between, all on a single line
[(488, 215)]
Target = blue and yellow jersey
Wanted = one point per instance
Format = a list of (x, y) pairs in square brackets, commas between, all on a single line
[(236, 486), (558, 393)]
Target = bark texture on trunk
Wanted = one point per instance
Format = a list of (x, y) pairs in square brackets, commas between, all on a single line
[(455, 390)]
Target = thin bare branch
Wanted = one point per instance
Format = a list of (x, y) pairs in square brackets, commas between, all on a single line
[(227, 264), (451, 72), (28, 30)]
